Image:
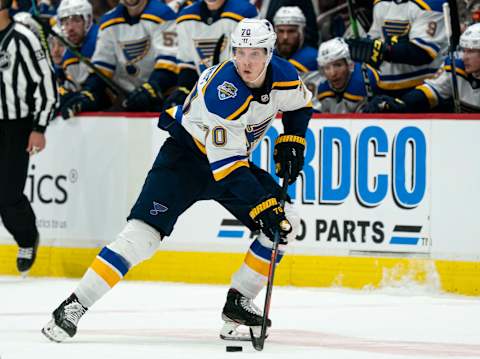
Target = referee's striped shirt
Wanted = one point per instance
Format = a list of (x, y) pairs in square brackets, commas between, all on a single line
[(27, 83)]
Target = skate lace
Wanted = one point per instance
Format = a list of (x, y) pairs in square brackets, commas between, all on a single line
[(73, 312), (25, 253), (249, 306)]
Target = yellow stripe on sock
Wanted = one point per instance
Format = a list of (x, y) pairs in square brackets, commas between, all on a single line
[(106, 272), (257, 264)]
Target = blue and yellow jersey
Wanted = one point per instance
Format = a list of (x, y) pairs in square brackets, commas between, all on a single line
[(439, 88), (71, 64), (201, 33), (227, 119), (130, 49), (419, 22), (352, 97), (304, 59)]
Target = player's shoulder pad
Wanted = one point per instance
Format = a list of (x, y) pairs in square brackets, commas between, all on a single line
[(284, 74), (190, 13), (157, 12), (88, 47), (324, 90), (113, 17), (355, 89), (238, 10), (430, 5), (225, 94), (69, 59), (305, 59)]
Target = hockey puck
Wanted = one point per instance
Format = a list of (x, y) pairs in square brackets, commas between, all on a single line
[(234, 349)]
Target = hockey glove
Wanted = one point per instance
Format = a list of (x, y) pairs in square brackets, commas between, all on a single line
[(367, 50), (176, 98), (81, 101), (270, 216), (147, 97), (289, 156), (385, 104)]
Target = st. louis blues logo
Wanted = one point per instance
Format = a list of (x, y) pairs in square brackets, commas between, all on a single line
[(158, 208), (226, 90), (134, 51)]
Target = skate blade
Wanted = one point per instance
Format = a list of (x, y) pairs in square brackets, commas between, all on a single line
[(54, 333), (24, 275), (230, 332)]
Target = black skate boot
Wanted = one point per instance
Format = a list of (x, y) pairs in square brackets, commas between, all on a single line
[(64, 320), (26, 257), (240, 310)]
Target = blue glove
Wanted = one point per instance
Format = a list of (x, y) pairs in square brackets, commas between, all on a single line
[(385, 104), (79, 102), (147, 97)]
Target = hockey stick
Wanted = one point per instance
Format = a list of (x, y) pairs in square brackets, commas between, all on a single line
[(452, 28), (41, 32), (108, 81), (217, 50), (259, 342), (356, 35)]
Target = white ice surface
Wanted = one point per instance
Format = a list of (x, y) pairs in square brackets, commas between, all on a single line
[(140, 320)]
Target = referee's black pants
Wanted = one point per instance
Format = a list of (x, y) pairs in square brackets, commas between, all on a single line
[(15, 209)]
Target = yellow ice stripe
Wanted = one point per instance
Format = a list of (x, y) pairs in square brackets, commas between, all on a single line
[(157, 19), (285, 83), (432, 99), (225, 172), (232, 15), (459, 277), (240, 110), (188, 17), (113, 21), (106, 272), (298, 65), (256, 264)]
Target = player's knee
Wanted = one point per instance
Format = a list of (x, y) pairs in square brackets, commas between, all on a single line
[(137, 242)]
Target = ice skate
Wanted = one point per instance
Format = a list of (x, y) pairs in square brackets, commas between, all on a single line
[(63, 324), (240, 314), (26, 257)]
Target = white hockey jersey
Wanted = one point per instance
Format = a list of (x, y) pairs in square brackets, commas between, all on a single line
[(75, 70), (227, 122), (440, 87), (130, 49), (199, 35), (421, 21)]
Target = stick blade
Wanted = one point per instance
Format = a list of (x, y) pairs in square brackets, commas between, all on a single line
[(257, 342)]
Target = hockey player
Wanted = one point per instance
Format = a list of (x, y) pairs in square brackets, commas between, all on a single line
[(225, 116), (406, 43), (204, 30), (76, 20), (136, 48), (437, 91), (289, 23), (343, 90)]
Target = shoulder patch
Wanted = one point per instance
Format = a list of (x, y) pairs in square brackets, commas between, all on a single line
[(226, 90)]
